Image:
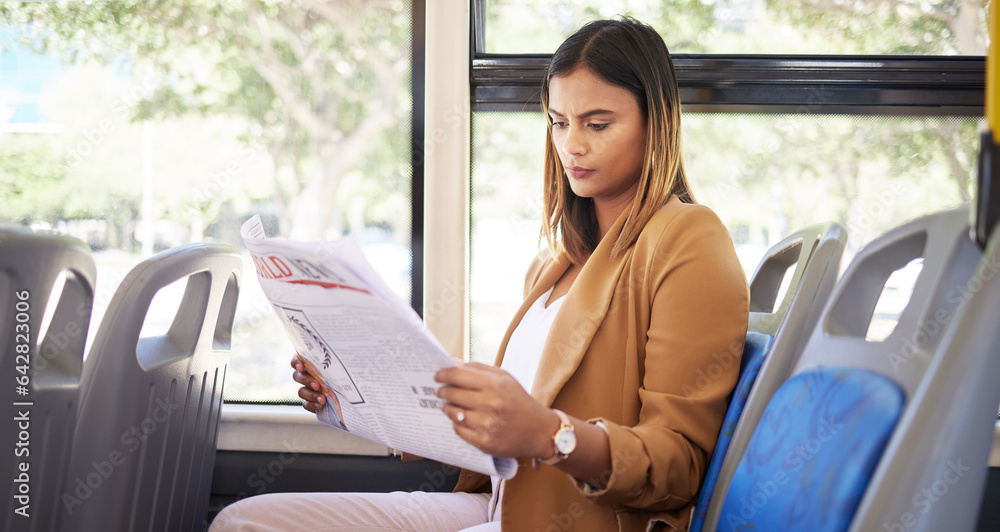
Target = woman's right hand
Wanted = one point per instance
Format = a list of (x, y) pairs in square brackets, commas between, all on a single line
[(313, 399)]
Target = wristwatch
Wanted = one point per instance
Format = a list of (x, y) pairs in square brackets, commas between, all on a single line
[(564, 440)]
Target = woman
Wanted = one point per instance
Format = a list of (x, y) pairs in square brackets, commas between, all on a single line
[(629, 337)]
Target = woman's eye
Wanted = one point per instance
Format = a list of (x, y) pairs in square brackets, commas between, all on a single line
[(598, 127), (558, 125)]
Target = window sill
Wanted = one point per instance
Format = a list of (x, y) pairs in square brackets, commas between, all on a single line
[(276, 428), (292, 429)]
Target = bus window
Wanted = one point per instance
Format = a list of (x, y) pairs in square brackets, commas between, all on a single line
[(139, 128)]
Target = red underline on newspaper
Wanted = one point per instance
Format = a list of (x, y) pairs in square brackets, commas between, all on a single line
[(329, 285)]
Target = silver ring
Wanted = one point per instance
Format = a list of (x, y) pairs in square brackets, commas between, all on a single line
[(460, 416)]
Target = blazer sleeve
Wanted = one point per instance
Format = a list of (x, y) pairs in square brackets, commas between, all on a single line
[(699, 308)]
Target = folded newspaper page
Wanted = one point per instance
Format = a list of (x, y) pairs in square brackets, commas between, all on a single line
[(374, 356)]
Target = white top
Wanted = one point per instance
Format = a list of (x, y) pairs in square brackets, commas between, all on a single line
[(524, 349), (520, 359)]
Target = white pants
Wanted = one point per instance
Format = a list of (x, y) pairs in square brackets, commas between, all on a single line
[(369, 512)]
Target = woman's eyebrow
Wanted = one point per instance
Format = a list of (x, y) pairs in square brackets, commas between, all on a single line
[(588, 114)]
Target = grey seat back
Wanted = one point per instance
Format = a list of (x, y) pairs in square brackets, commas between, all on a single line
[(945, 355), (149, 407), (41, 421), (863, 429), (815, 254)]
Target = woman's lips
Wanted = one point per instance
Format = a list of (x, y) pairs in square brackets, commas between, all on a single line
[(578, 172)]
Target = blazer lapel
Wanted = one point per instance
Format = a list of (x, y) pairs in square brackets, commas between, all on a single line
[(581, 313)]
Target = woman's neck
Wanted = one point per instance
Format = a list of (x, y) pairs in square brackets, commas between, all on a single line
[(607, 211)]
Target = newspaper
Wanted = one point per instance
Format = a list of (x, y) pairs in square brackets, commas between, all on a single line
[(372, 353)]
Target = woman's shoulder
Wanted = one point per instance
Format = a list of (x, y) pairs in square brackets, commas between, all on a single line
[(543, 258), (683, 220), (693, 235)]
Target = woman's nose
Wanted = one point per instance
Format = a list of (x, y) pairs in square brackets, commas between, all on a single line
[(574, 144)]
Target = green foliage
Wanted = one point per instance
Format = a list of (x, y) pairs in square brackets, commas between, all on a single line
[(309, 80), (539, 26), (775, 174), (890, 27), (31, 182), (754, 26)]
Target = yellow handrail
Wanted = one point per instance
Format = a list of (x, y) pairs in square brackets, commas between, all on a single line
[(992, 109)]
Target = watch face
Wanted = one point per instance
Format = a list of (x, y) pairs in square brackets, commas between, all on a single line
[(565, 441)]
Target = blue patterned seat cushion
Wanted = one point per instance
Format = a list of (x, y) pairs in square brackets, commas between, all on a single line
[(755, 349), (813, 452)]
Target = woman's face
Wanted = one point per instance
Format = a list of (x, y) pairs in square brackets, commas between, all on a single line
[(600, 134)]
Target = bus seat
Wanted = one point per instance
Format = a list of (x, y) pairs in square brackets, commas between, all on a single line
[(145, 438), (948, 425), (755, 349), (30, 265), (860, 427), (815, 253)]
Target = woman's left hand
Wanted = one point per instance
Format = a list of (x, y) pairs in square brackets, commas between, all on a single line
[(491, 410)]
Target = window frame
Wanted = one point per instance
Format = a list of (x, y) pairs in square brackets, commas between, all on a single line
[(925, 85), (712, 83)]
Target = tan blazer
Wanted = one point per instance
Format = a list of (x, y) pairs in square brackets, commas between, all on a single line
[(650, 344)]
